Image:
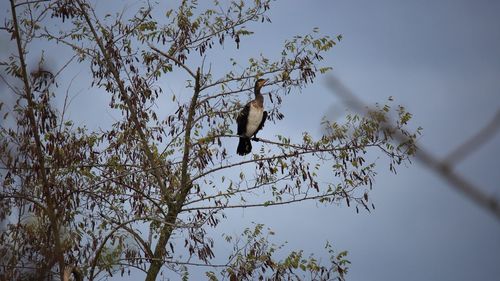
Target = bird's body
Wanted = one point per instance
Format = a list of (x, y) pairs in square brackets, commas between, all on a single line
[(254, 119), (251, 119)]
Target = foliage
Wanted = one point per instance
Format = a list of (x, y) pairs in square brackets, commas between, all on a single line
[(142, 192), (254, 259)]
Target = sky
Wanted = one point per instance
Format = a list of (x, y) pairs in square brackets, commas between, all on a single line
[(441, 60)]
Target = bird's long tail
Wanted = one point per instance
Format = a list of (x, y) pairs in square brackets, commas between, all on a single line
[(244, 146)]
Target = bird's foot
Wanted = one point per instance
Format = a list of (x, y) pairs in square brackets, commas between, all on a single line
[(255, 139)]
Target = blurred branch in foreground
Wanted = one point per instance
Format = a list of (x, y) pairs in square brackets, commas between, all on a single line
[(444, 167)]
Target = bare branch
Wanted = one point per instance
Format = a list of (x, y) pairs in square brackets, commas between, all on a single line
[(475, 142), (441, 167), (30, 2)]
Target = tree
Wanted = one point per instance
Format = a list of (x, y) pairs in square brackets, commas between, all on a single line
[(99, 201)]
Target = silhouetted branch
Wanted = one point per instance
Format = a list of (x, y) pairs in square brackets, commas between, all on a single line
[(178, 62), (264, 204), (442, 167), (30, 2), (284, 155), (233, 192), (475, 142)]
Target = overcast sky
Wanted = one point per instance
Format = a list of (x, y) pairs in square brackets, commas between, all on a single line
[(441, 59)]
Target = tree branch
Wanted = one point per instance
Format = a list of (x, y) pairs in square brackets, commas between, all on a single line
[(265, 204), (131, 108), (230, 193), (440, 167), (185, 186), (30, 2), (305, 150), (191, 73), (38, 143), (475, 142)]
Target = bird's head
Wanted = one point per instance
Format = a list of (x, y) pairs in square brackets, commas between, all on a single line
[(260, 83)]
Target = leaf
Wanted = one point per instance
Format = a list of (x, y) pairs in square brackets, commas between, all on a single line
[(323, 70)]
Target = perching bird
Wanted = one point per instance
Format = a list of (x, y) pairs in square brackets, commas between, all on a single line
[(251, 119)]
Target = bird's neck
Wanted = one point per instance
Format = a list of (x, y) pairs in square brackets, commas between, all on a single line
[(256, 90), (259, 98)]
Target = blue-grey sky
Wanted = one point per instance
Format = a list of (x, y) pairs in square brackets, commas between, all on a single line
[(440, 59)]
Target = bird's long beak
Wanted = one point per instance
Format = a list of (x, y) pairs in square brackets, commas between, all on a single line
[(265, 82)]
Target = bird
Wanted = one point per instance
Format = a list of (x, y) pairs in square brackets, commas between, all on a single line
[(251, 119)]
